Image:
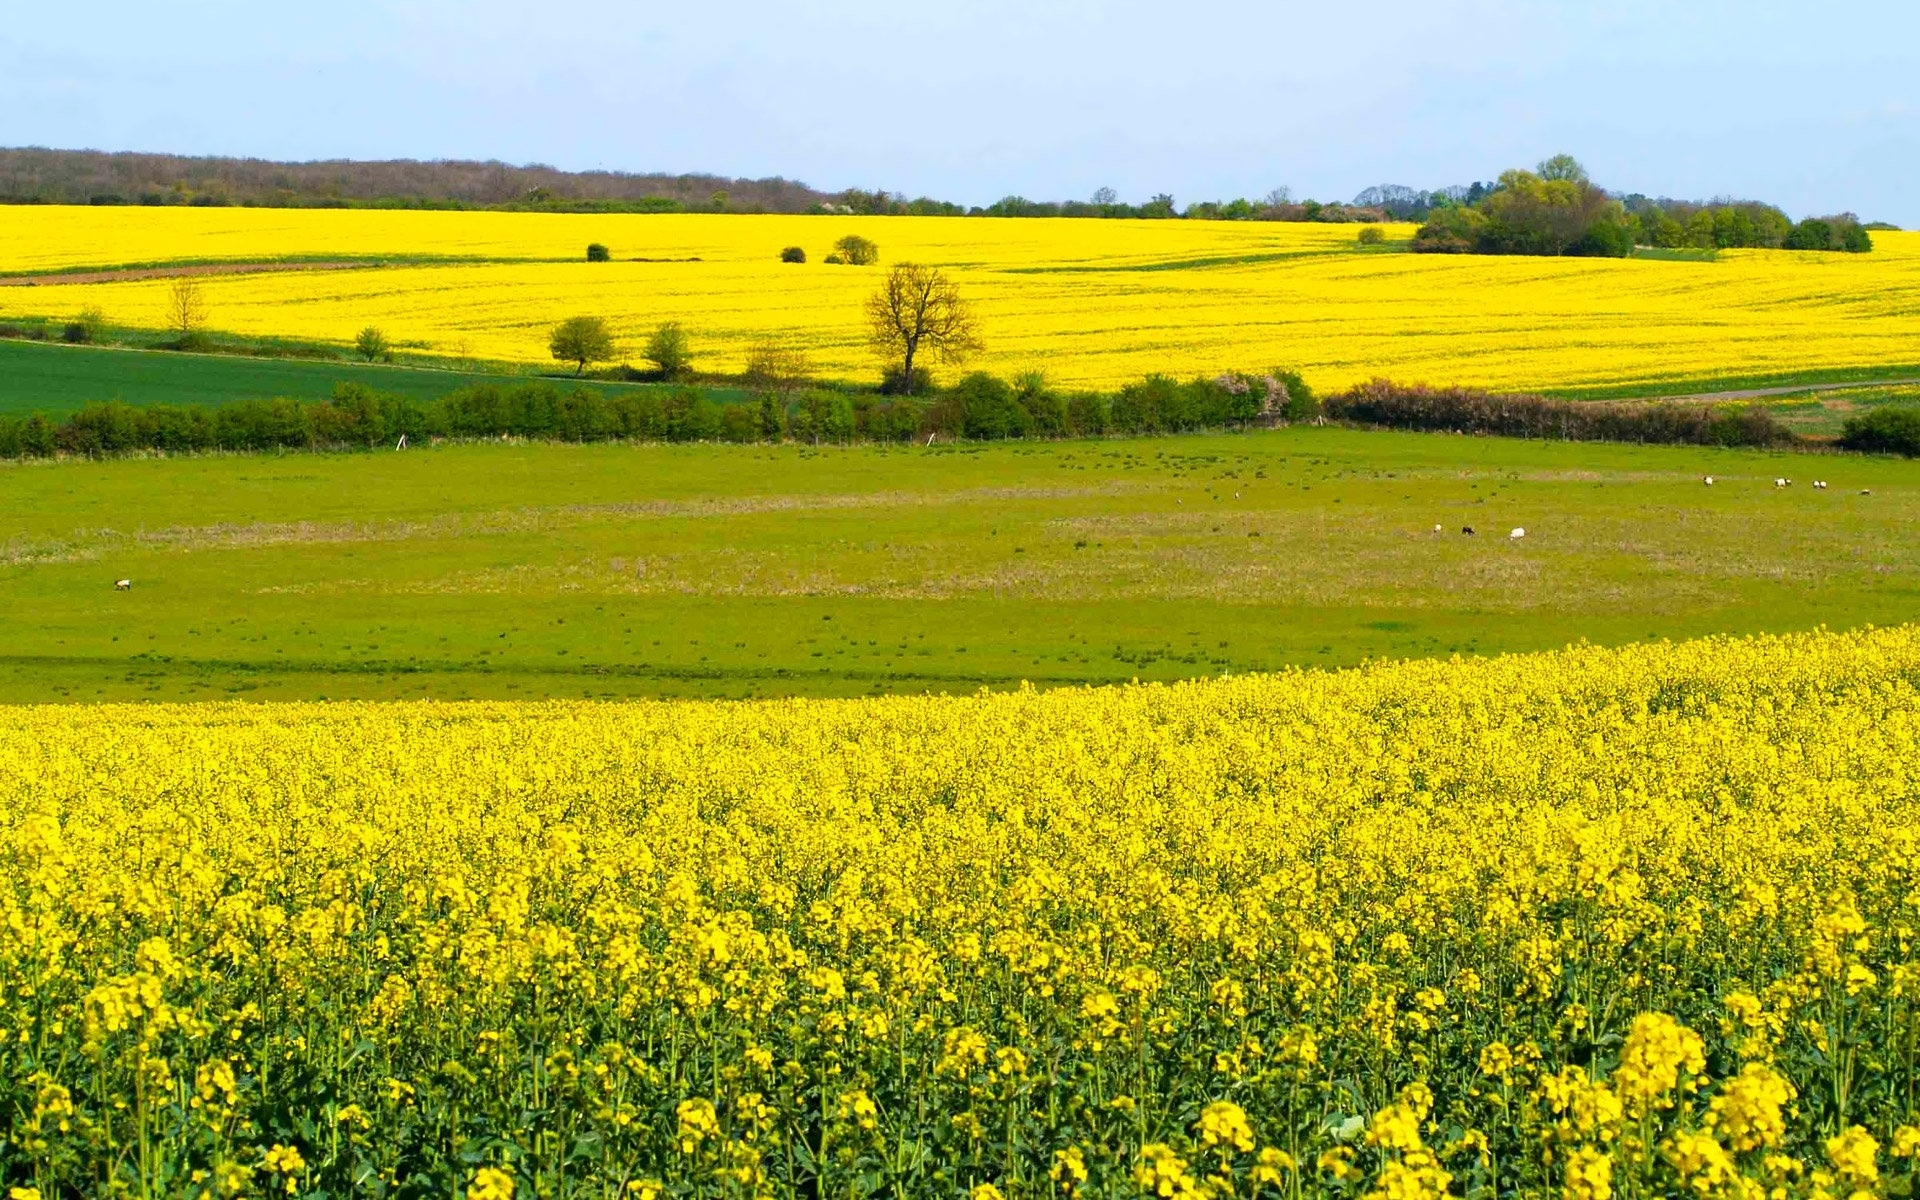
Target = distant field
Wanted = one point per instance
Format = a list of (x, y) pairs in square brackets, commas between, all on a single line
[(1824, 413), (1094, 303), (501, 570)]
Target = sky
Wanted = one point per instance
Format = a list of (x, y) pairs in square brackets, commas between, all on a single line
[(1812, 109)]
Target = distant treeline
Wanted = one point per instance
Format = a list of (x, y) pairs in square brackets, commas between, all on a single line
[(1519, 213), (1390, 405), (1558, 210), (978, 407)]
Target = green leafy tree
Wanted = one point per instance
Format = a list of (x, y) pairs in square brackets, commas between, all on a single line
[(582, 341), (857, 251), (372, 344), (669, 351)]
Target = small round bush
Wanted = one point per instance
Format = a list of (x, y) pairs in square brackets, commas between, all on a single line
[(1372, 235), (793, 254), (598, 253), (834, 259)]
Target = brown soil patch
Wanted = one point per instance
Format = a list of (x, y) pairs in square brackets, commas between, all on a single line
[(176, 272)]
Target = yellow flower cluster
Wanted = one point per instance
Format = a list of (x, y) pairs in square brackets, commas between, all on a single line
[(1094, 303), (1597, 923)]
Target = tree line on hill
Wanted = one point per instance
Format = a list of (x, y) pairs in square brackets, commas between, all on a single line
[(1557, 210), (36, 175)]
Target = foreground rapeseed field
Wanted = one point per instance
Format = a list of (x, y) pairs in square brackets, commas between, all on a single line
[(1633, 923), (1093, 303)]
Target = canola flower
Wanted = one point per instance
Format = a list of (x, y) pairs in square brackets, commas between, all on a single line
[(1093, 303), (1590, 924)]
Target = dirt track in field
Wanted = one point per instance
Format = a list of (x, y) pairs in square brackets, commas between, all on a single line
[(177, 272)]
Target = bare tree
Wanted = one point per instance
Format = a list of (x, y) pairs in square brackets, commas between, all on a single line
[(919, 307), (1106, 197), (187, 308), (1280, 196), (777, 375)]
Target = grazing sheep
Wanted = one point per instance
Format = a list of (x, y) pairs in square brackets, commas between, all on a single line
[(1467, 529), (1517, 534), (1821, 484), (1779, 483), (1709, 481), (123, 585), (1436, 529)]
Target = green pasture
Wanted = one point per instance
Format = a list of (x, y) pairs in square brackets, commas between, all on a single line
[(58, 379), (1824, 414), (498, 570)]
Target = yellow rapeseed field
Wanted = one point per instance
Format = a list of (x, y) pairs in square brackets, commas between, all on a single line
[(1093, 303), (1634, 923)]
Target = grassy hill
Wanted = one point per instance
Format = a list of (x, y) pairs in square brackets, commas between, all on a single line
[(610, 570), (57, 379)]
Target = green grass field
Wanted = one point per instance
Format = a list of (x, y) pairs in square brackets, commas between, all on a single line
[(58, 379), (497, 570)]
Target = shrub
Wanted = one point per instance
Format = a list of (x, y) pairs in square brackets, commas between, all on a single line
[(1843, 232), (894, 382), (897, 420), (1296, 401), (1888, 430), (1046, 412), (1087, 414), (262, 425), (1372, 235), (1452, 229), (822, 415), (1469, 410), (739, 423), (598, 253), (857, 251), (371, 344), (834, 260), (669, 351), (110, 428), (793, 254), (39, 437), (980, 407), (691, 417), (75, 334)]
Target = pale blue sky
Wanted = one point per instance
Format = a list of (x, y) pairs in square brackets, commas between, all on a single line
[(1813, 107)]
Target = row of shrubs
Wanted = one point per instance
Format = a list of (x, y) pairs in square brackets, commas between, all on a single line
[(979, 406), (1392, 405), (1887, 430)]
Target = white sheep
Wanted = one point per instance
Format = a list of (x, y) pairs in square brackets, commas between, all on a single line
[(1779, 483), (1516, 535), (1821, 484), (123, 585), (1709, 481), (1436, 529)]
